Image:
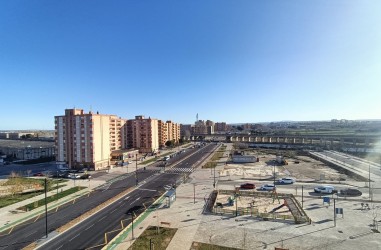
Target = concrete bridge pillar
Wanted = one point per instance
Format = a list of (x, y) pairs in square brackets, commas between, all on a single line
[(293, 140), (277, 139), (270, 139), (303, 141), (262, 139)]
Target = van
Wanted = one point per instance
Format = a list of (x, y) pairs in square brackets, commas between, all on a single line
[(325, 190)]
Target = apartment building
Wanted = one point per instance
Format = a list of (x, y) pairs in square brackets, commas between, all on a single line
[(143, 134), (87, 139), (220, 127), (173, 131), (163, 133)]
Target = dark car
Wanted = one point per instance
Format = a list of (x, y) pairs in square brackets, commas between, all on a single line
[(350, 192), (38, 174), (248, 186)]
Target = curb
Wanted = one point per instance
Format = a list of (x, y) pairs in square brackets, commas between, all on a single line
[(125, 232), (42, 210)]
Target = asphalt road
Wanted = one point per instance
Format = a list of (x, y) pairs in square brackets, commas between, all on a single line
[(90, 233), (34, 229)]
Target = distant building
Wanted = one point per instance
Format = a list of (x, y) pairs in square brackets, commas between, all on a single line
[(173, 131), (98, 140), (87, 139), (220, 127), (143, 134), (163, 133)]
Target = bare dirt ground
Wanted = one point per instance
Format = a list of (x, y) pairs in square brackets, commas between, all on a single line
[(299, 167), (263, 204)]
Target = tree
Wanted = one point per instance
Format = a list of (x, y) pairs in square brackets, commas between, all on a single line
[(169, 143)]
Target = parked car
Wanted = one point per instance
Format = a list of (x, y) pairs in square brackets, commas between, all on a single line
[(325, 190), (267, 187), (286, 180), (38, 174), (74, 176), (350, 192), (86, 176), (248, 186)]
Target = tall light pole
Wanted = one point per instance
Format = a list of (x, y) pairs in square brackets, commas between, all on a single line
[(132, 226), (46, 209), (370, 196), (214, 177), (274, 172), (136, 170)]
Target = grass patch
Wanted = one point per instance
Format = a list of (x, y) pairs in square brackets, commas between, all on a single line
[(36, 185), (51, 198), (160, 240), (148, 161), (205, 246), (210, 164)]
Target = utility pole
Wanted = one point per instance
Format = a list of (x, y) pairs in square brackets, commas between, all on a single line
[(46, 209)]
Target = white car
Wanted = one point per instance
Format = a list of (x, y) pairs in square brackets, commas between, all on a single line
[(325, 189), (267, 187), (286, 180)]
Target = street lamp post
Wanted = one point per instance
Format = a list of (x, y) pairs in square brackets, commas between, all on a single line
[(136, 170), (214, 177), (370, 196), (46, 209), (132, 226), (274, 173)]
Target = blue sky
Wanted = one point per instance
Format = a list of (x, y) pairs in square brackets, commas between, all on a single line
[(234, 61)]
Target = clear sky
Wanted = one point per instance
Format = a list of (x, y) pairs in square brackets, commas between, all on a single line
[(234, 61)]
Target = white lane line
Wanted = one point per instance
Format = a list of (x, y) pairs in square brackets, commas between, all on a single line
[(102, 218), (126, 197), (153, 190), (59, 247), (113, 211), (89, 227), (74, 237), (29, 234)]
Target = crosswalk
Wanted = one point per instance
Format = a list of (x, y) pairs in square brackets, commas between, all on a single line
[(174, 170)]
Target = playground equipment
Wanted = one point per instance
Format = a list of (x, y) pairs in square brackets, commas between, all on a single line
[(231, 200), (274, 195), (279, 207)]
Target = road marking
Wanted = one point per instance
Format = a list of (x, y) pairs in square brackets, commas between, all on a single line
[(126, 198), (74, 237), (60, 247), (89, 227), (102, 218), (153, 190), (113, 211)]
